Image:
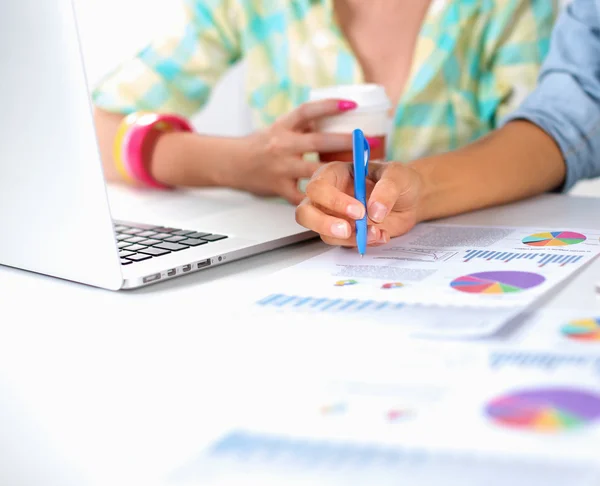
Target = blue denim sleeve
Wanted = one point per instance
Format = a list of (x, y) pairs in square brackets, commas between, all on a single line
[(566, 103)]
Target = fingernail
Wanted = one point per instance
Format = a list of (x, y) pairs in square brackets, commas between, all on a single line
[(372, 235), (340, 230), (377, 212), (345, 105), (374, 142), (354, 211), (382, 239)]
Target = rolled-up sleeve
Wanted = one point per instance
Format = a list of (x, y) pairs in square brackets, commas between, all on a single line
[(566, 102)]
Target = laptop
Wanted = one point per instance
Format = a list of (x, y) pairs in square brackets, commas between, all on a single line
[(54, 209)]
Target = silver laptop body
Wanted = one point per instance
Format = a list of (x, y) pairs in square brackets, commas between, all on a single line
[(54, 211)]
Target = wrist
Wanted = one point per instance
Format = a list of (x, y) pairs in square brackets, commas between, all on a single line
[(428, 190), (170, 155), (235, 156), (135, 141), (192, 160)]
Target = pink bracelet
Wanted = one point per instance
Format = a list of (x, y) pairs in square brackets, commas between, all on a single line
[(139, 127)]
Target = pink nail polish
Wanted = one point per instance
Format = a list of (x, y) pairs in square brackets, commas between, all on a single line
[(374, 142), (346, 105)]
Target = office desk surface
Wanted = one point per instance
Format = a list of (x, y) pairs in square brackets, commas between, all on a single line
[(126, 385), (200, 293)]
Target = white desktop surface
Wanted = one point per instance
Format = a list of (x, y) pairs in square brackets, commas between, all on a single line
[(127, 385)]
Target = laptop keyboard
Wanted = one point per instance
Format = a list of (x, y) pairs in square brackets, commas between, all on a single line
[(140, 242)]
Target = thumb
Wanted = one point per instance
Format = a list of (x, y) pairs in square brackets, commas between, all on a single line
[(393, 188)]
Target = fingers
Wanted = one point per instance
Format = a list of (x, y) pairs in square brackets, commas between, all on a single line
[(302, 169), (324, 191), (329, 211), (322, 142), (375, 237), (393, 182), (313, 218), (308, 112), (333, 230), (302, 143), (381, 237)]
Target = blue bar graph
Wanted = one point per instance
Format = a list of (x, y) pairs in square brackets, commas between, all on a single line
[(255, 448), (542, 259), (322, 304)]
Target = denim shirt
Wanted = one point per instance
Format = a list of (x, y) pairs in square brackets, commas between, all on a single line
[(566, 103)]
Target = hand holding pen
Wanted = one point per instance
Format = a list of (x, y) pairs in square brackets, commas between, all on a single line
[(393, 198)]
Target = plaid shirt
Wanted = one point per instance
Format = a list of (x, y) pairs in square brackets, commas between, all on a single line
[(474, 62)]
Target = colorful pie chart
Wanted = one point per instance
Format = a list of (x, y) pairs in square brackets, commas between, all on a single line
[(497, 282), (582, 330), (392, 285), (554, 238), (545, 409), (345, 283), (398, 414), (334, 409)]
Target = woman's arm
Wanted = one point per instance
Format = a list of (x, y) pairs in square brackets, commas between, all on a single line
[(269, 162), (515, 162), (180, 159)]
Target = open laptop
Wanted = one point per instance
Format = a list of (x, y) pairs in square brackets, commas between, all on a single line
[(54, 210)]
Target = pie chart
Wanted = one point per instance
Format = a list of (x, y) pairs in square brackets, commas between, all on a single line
[(397, 415), (497, 282), (554, 238), (334, 409), (392, 285), (545, 409), (582, 330), (345, 283)]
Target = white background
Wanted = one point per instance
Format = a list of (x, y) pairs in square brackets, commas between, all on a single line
[(112, 30)]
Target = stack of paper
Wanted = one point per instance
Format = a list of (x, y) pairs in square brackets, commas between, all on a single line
[(520, 405), (437, 281)]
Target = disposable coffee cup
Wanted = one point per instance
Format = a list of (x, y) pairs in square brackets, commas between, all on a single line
[(371, 116)]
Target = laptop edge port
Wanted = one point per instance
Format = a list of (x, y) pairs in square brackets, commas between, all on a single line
[(204, 263), (152, 278)]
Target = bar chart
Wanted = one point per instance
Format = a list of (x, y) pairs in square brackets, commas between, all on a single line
[(541, 258), (307, 452), (322, 304), (284, 458), (420, 320)]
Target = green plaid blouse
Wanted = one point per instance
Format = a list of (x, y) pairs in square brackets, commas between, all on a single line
[(474, 62)]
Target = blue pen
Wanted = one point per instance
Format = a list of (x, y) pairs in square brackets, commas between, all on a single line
[(361, 153)]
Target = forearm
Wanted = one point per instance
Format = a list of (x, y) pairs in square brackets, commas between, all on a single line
[(178, 158), (517, 161), (192, 160)]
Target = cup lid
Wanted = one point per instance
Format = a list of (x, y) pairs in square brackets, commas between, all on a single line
[(369, 97)]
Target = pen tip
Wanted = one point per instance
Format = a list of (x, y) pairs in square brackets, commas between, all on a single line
[(362, 255)]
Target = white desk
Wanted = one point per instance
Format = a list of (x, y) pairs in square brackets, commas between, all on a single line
[(128, 383)]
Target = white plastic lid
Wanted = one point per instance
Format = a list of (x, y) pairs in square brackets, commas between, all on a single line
[(369, 97)]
